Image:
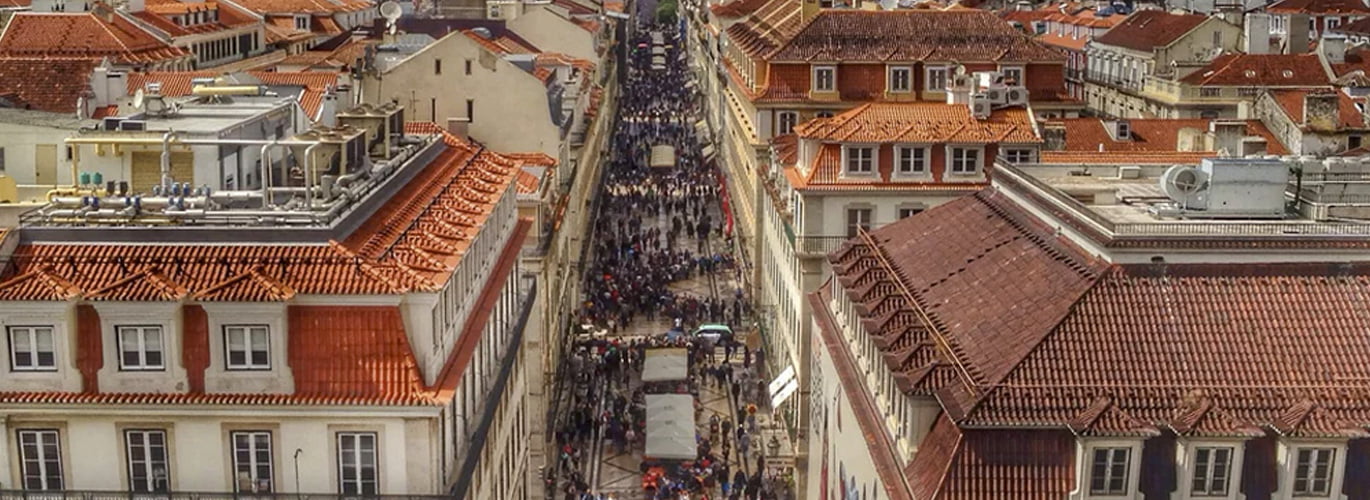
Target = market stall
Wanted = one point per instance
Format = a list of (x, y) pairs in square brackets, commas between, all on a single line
[(670, 427)]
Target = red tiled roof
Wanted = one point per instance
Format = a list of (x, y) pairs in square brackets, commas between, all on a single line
[(1145, 30), (1318, 7), (1262, 70), (1066, 42), (45, 83), (252, 285), (85, 35), (503, 44), (528, 183), (974, 464), (179, 83), (736, 8), (158, 13), (920, 122), (148, 285), (304, 6), (105, 111), (767, 28), (911, 35), (1359, 26), (1348, 116), (1152, 135), (1042, 335), (352, 351)]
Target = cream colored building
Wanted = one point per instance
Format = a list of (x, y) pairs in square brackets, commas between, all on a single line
[(355, 334), (1150, 45)]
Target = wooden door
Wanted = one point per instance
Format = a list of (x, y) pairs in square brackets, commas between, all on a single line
[(45, 164)]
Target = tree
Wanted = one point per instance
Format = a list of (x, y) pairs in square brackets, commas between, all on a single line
[(666, 11)]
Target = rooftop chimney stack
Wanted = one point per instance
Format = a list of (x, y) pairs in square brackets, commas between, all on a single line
[(460, 127), (1320, 110), (1256, 34), (1297, 40)]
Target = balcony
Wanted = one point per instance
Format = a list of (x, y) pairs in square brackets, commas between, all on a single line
[(1174, 92), (817, 246)]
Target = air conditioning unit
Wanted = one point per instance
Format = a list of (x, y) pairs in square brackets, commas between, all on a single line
[(133, 125), (980, 106), (1016, 96), (962, 81), (996, 97), (1228, 187)]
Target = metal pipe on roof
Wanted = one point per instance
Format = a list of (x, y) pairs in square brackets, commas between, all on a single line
[(309, 167), (166, 159), (265, 159)]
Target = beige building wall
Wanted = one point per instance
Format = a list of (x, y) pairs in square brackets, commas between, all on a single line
[(510, 110), (549, 29)]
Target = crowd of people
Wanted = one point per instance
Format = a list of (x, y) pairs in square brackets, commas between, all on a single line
[(654, 226)]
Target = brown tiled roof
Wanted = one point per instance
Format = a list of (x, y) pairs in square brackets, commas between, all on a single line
[(736, 8), (504, 43), (920, 122), (911, 35), (84, 35), (1359, 26), (352, 351), (1152, 135), (995, 464), (179, 83), (304, 6), (1063, 41), (1348, 116), (1262, 70), (1042, 335), (767, 28), (159, 14), (148, 285), (252, 285), (1318, 7), (1145, 30), (45, 83)]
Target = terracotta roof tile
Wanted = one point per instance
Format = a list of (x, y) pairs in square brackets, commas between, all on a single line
[(1262, 70), (352, 351), (504, 43), (736, 8), (1318, 7), (1359, 26), (766, 29), (304, 6), (1152, 135), (911, 35), (1293, 102), (45, 83), (158, 13), (149, 284), (252, 285), (1145, 30), (920, 122), (84, 35), (38, 284), (1017, 464)]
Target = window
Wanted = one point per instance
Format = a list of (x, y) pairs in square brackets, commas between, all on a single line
[(1108, 476), (147, 461), (1333, 22), (912, 160), (40, 456), (2, 159), (252, 461), (824, 78), (1210, 91), (468, 66), (437, 66), (905, 213), (901, 79), (1353, 142), (937, 79), (1211, 469), (858, 219), (247, 347), (860, 160), (1247, 91), (820, 114), (1018, 155), (471, 110), (302, 23), (31, 349), (1218, 38), (1013, 75), (140, 348), (965, 160), (785, 122), (1313, 472), (357, 463)]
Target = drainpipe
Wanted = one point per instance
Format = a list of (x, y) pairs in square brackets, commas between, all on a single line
[(166, 159), (309, 167), (265, 158)]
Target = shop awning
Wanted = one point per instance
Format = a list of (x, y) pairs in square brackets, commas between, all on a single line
[(671, 427), (663, 156), (664, 365)]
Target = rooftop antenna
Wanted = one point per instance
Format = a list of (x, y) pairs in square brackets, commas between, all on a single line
[(391, 11)]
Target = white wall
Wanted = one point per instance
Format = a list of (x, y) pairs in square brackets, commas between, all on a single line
[(19, 143), (550, 32), (836, 442)]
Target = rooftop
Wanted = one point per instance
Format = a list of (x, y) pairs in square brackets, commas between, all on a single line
[(304, 6), (1145, 30), (159, 14), (911, 35), (1262, 70), (767, 28), (46, 83), (84, 35), (1347, 115), (310, 87), (1156, 135), (920, 122), (1319, 7)]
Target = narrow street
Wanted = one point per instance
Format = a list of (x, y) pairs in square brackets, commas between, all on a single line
[(661, 265)]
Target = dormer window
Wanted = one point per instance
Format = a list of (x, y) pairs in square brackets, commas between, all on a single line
[(302, 23), (1109, 471), (860, 160), (1212, 471), (1313, 471), (900, 79), (824, 78)]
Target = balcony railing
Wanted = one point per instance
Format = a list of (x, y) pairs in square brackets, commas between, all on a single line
[(818, 245), (188, 495)]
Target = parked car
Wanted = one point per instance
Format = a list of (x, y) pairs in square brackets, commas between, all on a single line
[(714, 332)]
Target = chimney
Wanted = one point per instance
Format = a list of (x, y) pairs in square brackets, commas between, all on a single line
[(1332, 48), (1320, 110), (460, 127), (1256, 34), (1297, 40)]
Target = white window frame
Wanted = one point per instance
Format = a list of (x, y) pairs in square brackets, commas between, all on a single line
[(924, 170), (944, 74), (31, 335), (1329, 481), (1021, 80), (780, 123), (1010, 153), (850, 226), (42, 461), (253, 465), (832, 80), (141, 331), (149, 483), (874, 160), (1204, 471), (906, 212), (1110, 467), (302, 23), (246, 334), (890, 81), (358, 486), (953, 161)]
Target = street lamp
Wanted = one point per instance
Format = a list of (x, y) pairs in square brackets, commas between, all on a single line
[(298, 451)]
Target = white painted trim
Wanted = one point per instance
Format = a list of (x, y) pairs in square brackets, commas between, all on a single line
[(1084, 464), (889, 78), (1186, 451), (1287, 458), (926, 174), (845, 172), (813, 75)]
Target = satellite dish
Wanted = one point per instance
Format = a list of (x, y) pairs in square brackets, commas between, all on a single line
[(391, 11), (1185, 185), (138, 97)]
